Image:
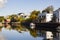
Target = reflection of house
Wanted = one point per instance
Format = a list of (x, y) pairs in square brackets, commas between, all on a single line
[(57, 15), (45, 17), (45, 35)]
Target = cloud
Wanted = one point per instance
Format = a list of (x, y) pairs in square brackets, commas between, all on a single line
[(2, 3)]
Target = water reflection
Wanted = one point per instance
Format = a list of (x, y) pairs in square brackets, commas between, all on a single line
[(19, 32), (2, 37)]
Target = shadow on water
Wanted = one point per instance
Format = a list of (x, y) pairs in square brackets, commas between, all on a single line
[(21, 29)]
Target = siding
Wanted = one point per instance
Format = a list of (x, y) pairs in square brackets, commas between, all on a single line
[(57, 14)]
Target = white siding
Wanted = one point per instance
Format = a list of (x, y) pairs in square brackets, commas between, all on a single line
[(49, 17)]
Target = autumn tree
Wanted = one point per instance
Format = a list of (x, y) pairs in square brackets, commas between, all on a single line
[(34, 15)]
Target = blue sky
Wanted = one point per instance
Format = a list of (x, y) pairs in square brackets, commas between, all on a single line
[(26, 6)]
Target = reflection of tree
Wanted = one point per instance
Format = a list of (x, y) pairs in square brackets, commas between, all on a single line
[(37, 33), (7, 26), (33, 33), (18, 28), (0, 28)]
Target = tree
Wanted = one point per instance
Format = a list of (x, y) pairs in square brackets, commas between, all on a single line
[(48, 9), (13, 18), (1, 18), (20, 19), (34, 15)]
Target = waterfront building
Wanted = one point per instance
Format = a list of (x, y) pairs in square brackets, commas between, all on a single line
[(57, 15), (23, 15), (45, 17)]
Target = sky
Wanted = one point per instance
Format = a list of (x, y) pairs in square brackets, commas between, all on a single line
[(8, 7)]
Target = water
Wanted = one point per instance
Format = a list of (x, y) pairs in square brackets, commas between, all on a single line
[(8, 32)]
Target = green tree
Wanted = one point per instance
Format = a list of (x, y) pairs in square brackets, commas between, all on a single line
[(34, 15), (1, 18), (20, 19), (48, 9), (13, 18)]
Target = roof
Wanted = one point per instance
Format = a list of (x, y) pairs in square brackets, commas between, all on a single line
[(20, 13)]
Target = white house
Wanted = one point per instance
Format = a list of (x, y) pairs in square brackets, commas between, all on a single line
[(23, 15), (45, 17)]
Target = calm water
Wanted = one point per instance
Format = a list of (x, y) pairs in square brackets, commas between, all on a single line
[(18, 32)]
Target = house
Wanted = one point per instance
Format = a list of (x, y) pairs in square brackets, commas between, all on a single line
[(57, 15), (45, 17), (23, 15)]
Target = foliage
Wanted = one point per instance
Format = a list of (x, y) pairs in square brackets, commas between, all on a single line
[(48, 9), (13, 18), (1, 18), (34, 14), (33, 33), (20, 19)]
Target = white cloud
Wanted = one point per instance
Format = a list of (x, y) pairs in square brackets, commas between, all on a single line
[(2, 3)]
